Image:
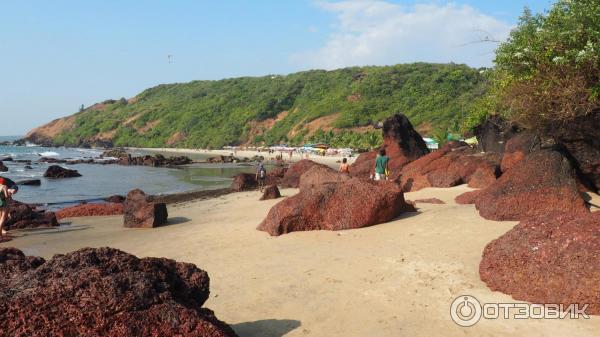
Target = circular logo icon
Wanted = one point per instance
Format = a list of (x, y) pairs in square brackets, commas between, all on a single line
[(465, 310)]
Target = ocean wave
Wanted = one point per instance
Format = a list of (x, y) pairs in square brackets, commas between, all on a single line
[(49, 154)]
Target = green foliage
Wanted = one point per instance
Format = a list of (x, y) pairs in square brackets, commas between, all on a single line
[(217, 113), (548, 70), (362, 141)]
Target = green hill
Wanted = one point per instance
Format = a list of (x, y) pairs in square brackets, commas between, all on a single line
[(338, 106)]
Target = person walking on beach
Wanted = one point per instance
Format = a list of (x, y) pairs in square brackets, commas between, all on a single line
[(344, 167), (381, 165), (7, 189), (261, 176)]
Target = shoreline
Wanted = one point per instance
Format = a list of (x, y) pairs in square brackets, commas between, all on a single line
[(332, 161)]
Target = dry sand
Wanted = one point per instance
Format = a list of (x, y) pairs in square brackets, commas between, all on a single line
[(394, 279)]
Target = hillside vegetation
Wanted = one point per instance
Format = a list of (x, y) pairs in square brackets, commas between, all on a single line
[(548, 71), (336, 106)]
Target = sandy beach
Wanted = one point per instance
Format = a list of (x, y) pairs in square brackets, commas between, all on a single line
[(393, 279)]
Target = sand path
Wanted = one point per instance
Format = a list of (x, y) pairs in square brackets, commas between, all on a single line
[(394, 279)]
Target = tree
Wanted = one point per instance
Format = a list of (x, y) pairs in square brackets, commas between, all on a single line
[(549, 69)]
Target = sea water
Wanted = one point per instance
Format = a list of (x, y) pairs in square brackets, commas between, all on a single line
[(100, 181)]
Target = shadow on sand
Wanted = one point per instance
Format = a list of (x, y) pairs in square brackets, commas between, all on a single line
[(266, 328), (176, 220)]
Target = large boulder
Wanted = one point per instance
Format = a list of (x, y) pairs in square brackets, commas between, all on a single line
[(58, 172), (320, 175), (517, 148), (22, 216), (291, 178), (454, 164), (551, 259), (104, 292), (141, 212), (402, 144), (90, 210), (271, 192), (352, 204), (493, 134), (543, 182), (580, 139)]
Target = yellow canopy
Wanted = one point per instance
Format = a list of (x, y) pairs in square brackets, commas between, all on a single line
[(472, 141)]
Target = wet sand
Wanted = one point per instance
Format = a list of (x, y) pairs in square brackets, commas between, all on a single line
[(394, 279)]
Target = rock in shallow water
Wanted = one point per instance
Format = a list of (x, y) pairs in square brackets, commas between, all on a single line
[(58, 172), (104, 292)]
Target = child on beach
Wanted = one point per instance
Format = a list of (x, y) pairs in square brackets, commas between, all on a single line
[(344, 167)]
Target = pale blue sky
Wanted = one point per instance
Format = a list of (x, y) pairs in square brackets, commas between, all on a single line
[(56, 55)]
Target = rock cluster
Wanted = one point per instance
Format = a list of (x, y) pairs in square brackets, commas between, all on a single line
[(141, 212), (104, 292), (232, 159), (454, 164), (157, 160), (402, 144)]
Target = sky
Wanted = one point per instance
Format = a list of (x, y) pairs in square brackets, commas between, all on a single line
[(57, 55)]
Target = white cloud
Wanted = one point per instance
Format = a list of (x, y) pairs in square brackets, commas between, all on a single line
[(374, 32)]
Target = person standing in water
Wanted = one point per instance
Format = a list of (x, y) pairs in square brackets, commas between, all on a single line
[(344, 167), (381, 165)]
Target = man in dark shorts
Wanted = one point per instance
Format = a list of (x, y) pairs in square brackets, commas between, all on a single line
[(7, 189)]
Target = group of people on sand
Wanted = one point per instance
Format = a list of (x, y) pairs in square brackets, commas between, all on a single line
[(8, 188), (381, 169)]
